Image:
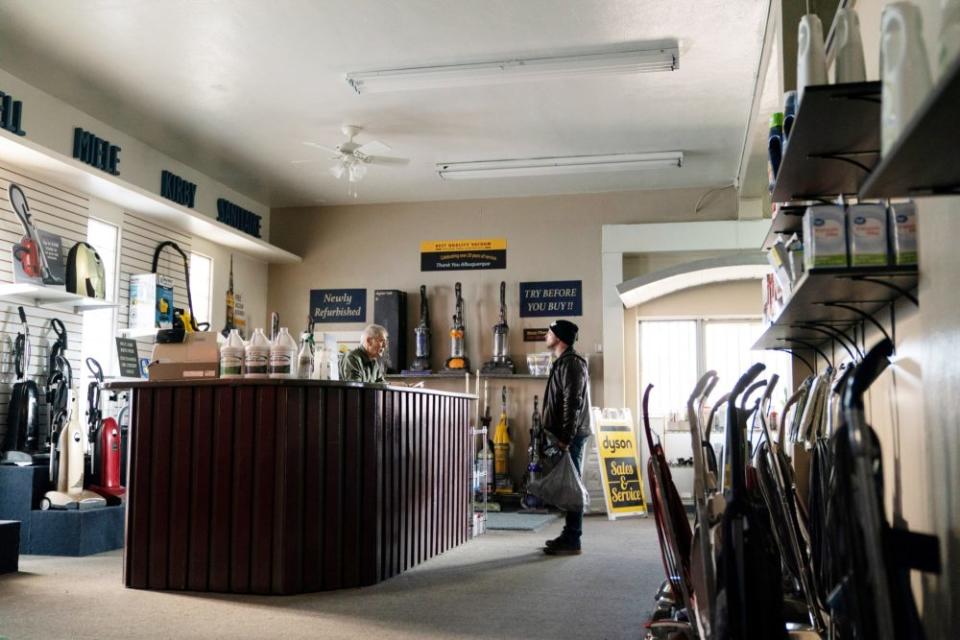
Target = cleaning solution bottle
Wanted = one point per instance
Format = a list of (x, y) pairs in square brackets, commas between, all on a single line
[(948, 43), (774, 147), (283, 355), (811, 56), (904, 69), (305, 359), (231, 356), (257, 356), (849, 65)]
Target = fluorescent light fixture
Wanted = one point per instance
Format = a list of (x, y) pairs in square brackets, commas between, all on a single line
[(559, 166), (514, 70)]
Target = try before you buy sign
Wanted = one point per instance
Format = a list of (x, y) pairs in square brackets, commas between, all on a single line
[(555, 298)]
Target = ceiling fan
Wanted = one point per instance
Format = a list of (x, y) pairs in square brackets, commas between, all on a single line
[(351, 159)]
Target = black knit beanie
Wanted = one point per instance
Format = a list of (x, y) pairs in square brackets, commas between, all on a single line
[(565, 330)]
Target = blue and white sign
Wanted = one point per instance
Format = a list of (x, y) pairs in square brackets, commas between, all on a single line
[(556, 298), (338, 305)]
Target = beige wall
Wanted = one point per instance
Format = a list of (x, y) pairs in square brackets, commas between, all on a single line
[(249, 280), (548, 238)]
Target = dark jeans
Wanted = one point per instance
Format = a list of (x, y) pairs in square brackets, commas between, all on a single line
[(573, 528)]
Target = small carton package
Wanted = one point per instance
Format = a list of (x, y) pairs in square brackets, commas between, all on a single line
[(903, 233), (151, 301), (824, 237), (867, 231)]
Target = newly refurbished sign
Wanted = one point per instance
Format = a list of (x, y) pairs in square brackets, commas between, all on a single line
[(555, 298), (338, 305)]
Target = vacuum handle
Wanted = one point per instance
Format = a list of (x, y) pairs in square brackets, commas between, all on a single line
[(186, 272), (864, 375)]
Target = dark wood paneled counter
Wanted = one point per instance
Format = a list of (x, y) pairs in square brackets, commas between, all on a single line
[(291, 486)]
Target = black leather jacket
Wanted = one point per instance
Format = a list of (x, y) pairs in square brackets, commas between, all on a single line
[(566, 410)]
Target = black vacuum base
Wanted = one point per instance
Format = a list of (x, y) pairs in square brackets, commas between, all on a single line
[(506, 368)]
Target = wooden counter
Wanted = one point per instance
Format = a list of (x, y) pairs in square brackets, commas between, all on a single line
[(291, 486)]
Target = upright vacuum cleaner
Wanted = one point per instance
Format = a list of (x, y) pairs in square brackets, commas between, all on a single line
[(104, 436), (501, 363), (67, 464), (21, 443), (458, 360), (421, 361), (534, 468)]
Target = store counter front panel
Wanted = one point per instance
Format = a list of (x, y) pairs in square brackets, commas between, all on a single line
[(283, 487)]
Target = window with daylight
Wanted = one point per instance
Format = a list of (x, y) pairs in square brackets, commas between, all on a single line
[(201, 286), (98, 326), (675, 353)]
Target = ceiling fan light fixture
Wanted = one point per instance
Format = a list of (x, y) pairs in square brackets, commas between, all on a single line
[(357, 171), (560, 165), (515, 70), (337, 170)]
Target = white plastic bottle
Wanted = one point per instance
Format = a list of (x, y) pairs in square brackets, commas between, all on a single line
[(232, 355), (948, 44), (811, 57), (321, 369), (257, 357), (849, 65), (904, 69), (305, 359), (283, 355)]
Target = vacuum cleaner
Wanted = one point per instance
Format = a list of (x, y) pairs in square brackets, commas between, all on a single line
[(104, 436), (29, 251), (501, 450), (501, 364), (534, 468), (21, 443), (458, 360), (67, 465), (421, 361)]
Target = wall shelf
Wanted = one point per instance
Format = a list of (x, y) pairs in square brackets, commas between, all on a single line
[(72, 173), (54, 298), (920, 161), (812, 312), (459, 376), (834, 143)]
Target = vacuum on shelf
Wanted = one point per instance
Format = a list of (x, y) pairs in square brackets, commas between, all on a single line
[(21, 442), (458, 360), (29, 251), (501, 363), (501, 450), (421, 360)]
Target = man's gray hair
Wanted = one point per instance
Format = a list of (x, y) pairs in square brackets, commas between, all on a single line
[(374, 331)]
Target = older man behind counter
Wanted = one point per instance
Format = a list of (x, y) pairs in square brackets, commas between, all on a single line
[(364, 364)]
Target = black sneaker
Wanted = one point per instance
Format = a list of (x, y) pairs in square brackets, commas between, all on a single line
[(549, 544), (563, 547)]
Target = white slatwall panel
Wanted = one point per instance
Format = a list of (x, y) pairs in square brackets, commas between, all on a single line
[(139, 238), (58, 211)]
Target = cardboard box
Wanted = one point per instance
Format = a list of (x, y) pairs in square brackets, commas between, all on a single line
[(151, 301), (197, 357)]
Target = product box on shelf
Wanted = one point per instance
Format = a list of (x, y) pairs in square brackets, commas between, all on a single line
[(151, 301), (867, 231), (903, 233), (825, 236)]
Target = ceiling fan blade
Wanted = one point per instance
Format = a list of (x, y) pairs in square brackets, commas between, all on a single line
[(304, 161), (372, 148), (387, 161), (322, 147)]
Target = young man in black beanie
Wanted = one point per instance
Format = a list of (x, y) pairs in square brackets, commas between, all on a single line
[(566, 415)]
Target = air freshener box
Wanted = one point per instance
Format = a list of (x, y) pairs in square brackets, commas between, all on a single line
[(903, 233), (151, 301), (824, 237), (867, 231)]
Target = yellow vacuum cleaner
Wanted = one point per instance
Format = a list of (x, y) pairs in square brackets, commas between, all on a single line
[(501, 450)]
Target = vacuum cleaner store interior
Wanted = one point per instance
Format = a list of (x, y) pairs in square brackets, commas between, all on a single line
[(546, 319)]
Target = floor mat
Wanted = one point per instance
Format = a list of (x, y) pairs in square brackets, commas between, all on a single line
[(519, 521)]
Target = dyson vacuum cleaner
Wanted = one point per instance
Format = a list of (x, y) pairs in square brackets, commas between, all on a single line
[(421, 361), (534, 468), (458, 360), (501, 364)]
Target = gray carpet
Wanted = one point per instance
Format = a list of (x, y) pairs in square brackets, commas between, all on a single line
[(519, 521), (498, 586)]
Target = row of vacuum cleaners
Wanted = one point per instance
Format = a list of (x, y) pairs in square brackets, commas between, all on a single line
[(46, 428)]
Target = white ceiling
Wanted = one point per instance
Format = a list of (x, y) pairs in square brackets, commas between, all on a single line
[(233, 87)]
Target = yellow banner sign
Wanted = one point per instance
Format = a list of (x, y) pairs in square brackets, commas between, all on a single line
[(619, 463), (483, 244)]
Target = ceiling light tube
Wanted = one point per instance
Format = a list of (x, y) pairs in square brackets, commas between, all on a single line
[(559, 165), (514, 70)]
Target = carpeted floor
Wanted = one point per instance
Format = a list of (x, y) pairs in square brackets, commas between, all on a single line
[(519, 521), (498, 586)]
